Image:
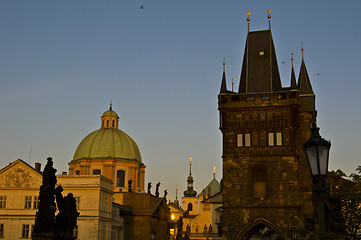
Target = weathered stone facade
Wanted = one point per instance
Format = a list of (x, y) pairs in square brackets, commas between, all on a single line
[(266, 177)]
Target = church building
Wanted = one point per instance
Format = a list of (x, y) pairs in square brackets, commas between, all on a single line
[(266, 178)]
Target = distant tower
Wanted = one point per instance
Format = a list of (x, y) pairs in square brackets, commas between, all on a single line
[(190, 200), (266, 177)]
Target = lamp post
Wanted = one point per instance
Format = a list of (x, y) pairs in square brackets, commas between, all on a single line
[(153, 234), (317, 152)]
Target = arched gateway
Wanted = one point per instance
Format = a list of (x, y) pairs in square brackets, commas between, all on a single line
[(260, 229)]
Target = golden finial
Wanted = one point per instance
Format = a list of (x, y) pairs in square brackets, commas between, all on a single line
[(214, 171), (233, 83), (292, 59), (302, 49), (110, 105), (269, 18), (248, 19)]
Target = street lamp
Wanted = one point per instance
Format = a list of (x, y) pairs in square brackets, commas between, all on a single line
[(317, 152), (153, 234)]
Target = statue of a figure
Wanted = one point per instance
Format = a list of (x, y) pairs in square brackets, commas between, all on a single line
[(210, 230), (67, 216), (180, 227), (157, 189), (130, 185), (44, 220), (149, 187), (165, 194)]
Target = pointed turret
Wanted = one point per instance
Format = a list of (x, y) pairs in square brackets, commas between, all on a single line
[(307, 97), (224, 84), (304, 83), (260, 69), (293, 76)]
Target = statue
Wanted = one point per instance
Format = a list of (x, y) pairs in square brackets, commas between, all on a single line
[(46, 225), (44, 219), (67, 216), (157, 189), (165, 194), (210, 230), (130, 185), (180, 227), (149, 187)]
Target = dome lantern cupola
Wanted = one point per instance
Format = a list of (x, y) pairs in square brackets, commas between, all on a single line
[(109, 119)]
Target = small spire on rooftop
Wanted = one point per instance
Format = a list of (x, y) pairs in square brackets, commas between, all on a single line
[(214, 171), (269, 18), (110, 105), (248, 19)]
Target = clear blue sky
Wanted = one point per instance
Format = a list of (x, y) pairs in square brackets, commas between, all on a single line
[(62, 61)]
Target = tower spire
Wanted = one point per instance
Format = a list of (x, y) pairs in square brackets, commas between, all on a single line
[(248, 19), (304, 83), (190, 192), (293, 76), (224, 84)]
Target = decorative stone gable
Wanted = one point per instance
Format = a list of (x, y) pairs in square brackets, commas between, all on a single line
[(18, 177)]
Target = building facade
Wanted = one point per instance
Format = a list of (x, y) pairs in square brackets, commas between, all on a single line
[(266, 177)]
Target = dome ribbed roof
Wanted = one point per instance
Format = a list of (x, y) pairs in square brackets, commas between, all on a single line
[(108, 143), (110, 113)]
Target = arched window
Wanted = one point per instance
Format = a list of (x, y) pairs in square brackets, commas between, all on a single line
[(120, 178), (107, 123), (113, 123), (97, 172), (190, 207)]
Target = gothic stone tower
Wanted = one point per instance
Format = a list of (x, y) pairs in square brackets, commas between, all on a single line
[(266, 177)]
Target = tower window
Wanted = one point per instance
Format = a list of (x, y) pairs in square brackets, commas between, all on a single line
[(113, 123), (107, 123), (239, 140), (279, 139), (102, 123), (120, 178), (97, 172), (26, 230), (247, 140), (271, 141), (2, 201)]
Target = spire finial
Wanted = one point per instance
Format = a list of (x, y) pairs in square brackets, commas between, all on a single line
[(224, 64), (190, 166), (302, 49), (233, 83), (110, 105), (214, 171), (269, 18), (292, 59), (248, 19)]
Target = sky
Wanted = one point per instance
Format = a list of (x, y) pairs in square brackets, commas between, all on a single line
[(61, 62)]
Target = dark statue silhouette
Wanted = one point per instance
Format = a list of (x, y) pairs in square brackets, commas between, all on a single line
[(46, 225)]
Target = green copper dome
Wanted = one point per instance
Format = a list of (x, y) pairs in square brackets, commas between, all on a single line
[(108, 143)]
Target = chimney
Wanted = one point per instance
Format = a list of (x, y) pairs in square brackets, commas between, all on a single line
[(38, 167)]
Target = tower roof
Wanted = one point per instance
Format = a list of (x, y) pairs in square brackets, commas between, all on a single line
[(260, 69), (224, 84), (304, 83)]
